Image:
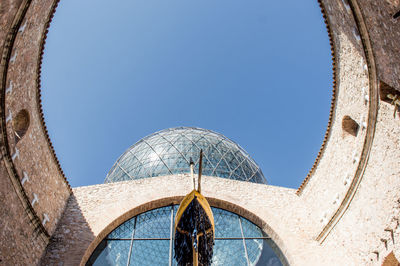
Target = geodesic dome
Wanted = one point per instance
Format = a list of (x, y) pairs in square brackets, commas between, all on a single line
[(168, 152)]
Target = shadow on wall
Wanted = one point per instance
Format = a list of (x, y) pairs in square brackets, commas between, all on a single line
[(71, 237)]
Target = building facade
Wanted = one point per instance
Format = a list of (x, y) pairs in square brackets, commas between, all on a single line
[(346, 212)]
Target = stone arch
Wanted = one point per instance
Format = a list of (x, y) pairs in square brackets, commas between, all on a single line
[(214, 202)]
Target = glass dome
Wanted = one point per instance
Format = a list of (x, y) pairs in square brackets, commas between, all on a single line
[(168, 152), (147, 239)]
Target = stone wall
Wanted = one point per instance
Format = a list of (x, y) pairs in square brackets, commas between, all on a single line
[(354, 191), (33, 190), (327, 188), (384, 33), (370, 227), (94, 211)]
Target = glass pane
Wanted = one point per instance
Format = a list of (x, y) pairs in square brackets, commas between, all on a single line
[(260, 253), (150, 252), (154, 224), (114, 253), (250, 229), (168, 151), (226, 224), (123, 231), (254, 250), (229, 252)]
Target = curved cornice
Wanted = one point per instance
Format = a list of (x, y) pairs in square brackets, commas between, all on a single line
[(5, 148), (372, 118), (333, 101), (38, 90), (327, 132)]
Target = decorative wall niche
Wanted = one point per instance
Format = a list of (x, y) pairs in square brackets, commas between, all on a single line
[(21, 124), (350, 126)]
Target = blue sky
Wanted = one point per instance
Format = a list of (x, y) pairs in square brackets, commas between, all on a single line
[(258, 72)]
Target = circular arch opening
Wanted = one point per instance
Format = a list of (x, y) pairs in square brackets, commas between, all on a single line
[(239, 105)]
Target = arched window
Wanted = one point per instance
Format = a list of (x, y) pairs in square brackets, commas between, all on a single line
[(147, 239)]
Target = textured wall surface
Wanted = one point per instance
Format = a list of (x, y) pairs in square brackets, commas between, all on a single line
[(354, 191), (341, 158), (345, 213), (33, 191), (370, 227), (94, 211), (34, 159), (384, 32), (20, 242)]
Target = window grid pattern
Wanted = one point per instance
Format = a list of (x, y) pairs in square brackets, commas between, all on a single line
[(168, 152), (146, 240)]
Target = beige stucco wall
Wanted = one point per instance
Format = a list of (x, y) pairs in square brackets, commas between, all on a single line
[(341, 157), (366, 227), (95, 210), (358, 215)]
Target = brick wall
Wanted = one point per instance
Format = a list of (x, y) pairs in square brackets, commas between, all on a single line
[(384, 33), (34, 191)]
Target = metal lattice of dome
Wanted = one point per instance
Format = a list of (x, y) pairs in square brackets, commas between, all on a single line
[(168, 152)]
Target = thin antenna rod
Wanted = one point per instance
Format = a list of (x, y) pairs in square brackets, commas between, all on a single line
[(191, 172), (200, 170)]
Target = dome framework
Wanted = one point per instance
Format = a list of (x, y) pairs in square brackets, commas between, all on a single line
[(169, 152)]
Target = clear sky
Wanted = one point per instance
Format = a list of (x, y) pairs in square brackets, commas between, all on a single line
[(258, 72)]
